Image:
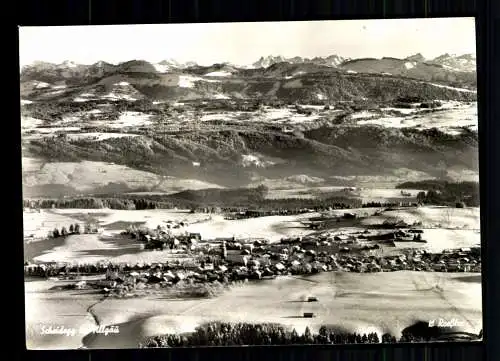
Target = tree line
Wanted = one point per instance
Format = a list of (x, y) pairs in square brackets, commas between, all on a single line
[(207, 205), (440, 192), (255, 198), (96, 203), (52, 111), (251, 198), (72, 229), (226, 334)]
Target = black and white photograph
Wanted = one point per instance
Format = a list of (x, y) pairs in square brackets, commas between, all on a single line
[(265, 183)]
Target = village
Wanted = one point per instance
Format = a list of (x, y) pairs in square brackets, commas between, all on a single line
[(227, 260)]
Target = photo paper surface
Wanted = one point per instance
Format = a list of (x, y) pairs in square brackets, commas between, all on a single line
[(231, 184)]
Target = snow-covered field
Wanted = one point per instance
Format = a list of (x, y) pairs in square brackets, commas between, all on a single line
[(256, 160), (78, 248), (40, 223), (405, 111), (448, 118), (87, 175), (117, 96), (71, 123), (451, 228), (125, 120), (377, 302), (226, 116), (152, 217), (30, 122), (31, 164), (273, 228), (219, 74), (315, 107), (82, 99), (52, 130), (446, 217), (108, 244), (364, 115), (220, 96), (89, 248), (380, 302), (162, 68), (294, 184), (285, 115), (440, 239), (41, 85), (366, 194), (188, 81), (389, 180), (98, 136), (131, 119), (268, 114), (453, 88)]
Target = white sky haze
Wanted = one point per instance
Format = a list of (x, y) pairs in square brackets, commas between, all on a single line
[(245, 43)]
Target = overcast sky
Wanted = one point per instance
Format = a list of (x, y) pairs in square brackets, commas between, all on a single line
[(244, 43)]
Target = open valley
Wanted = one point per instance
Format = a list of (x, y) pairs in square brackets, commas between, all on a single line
[(313, 199)]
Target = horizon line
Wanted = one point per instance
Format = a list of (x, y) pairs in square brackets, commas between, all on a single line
[(247, 64)]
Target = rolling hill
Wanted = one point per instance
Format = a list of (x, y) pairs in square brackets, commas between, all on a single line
[(53, 81), (285, 82), (349, 151), (228, 125)]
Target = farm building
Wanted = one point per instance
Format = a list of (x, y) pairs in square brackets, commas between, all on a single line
[(236, 257), (224, 239), (349, 215), (256, 213), (196, 236)]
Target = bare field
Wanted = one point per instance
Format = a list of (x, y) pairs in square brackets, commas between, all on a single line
[(380, 302)]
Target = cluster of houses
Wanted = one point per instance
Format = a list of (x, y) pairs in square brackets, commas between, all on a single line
[(254, 213), (173, 235), (343, 255), (225, 259), (231, 259), (127, 277)]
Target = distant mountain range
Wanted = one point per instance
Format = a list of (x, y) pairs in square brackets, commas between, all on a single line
[(465, 62), (273, 77), (332, 60)]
